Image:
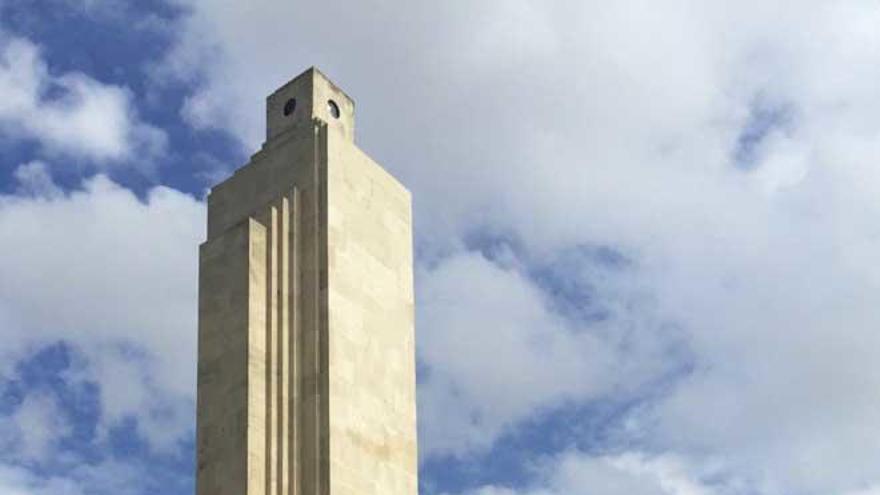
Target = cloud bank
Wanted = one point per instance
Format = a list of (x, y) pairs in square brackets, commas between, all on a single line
[(71, 115), (113, 277), (664, 208), (727, 152)]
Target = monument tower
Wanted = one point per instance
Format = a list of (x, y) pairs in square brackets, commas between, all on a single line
[(306, 373)]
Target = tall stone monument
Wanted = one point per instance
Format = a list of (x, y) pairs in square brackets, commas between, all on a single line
[(306, 374)]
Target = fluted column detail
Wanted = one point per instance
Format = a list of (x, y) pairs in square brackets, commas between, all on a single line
[(283, 343)]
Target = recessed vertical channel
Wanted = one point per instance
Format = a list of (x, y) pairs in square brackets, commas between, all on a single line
[(293, 342), (272, 358), (283, 347)]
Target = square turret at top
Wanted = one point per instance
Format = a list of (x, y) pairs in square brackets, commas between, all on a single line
[(310, 95)]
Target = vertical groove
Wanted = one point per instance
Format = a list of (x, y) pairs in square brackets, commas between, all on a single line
[(271, 352), (267, 428), (283, 347), (323, 317), (316, 302), (293, 315)]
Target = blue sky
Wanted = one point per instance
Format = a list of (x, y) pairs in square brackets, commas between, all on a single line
[(646, 233)]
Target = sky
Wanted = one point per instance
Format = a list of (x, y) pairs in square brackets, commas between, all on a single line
[(647, 233)]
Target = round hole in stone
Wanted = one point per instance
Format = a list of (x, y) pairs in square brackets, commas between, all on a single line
[(289, 107), (333, 108)]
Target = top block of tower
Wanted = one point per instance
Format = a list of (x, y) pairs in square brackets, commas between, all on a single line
[(309, 96)]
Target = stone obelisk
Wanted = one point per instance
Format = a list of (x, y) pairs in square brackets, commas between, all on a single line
[(306, 373)]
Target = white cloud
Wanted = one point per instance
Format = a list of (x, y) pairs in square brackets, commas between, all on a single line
[(485, 335), (115, 278), (496, 354), (103, 477), (874, 490), (35, 179), (71, 113), (32, 431), (18, 481), (578, 473)]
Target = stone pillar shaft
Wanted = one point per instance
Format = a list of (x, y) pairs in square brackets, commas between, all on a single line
[(306, 382)]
